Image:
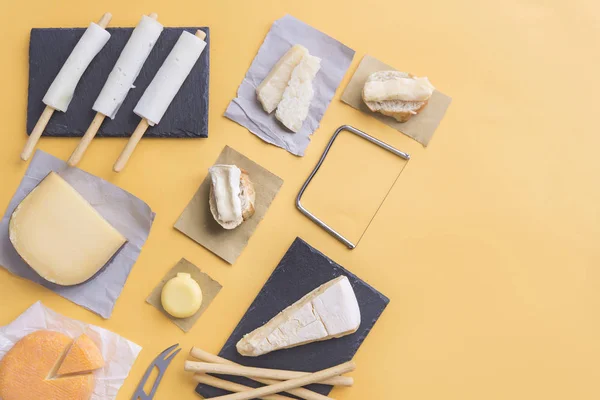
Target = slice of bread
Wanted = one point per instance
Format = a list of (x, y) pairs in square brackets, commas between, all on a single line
[(247, 197), (400, 110)]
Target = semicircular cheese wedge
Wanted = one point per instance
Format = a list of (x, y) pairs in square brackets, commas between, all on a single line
[(330, 311), (60, 235)]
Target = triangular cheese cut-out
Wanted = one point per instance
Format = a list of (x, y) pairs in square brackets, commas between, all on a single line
[(330, 311), (83, 356)]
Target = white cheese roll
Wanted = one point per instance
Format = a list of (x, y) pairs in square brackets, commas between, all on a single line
[(61, 91), (128, 67), (169, 78)]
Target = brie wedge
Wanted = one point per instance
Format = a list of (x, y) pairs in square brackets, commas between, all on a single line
[(330, 311)]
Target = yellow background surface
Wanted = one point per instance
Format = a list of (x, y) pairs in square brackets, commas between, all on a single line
[(487, 245)]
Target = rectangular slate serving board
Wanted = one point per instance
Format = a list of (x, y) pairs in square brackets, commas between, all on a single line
[(186, 117), (301, 270)]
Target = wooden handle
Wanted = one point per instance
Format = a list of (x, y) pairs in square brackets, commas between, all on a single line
[(231, 386), (200, 34), (37, 133), (299, 392), (86, 139), (103, 22), (276, 374), (291, 384), (131, 144)]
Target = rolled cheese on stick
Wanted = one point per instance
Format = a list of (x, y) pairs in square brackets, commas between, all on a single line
[(128, 66), (169, 78), (61, 91)]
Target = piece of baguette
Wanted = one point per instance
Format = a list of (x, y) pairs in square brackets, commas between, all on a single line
[(400, 110), (247, 196)]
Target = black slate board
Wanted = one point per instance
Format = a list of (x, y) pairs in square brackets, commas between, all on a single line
[(301, 270), (186, 117)]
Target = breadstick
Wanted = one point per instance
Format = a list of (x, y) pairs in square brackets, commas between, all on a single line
[(277, 374), (231, 386), (291, 384), (300, 392)]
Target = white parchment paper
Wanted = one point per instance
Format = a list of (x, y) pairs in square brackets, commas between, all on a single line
[(128, 214), (119, 353), (246, 110)]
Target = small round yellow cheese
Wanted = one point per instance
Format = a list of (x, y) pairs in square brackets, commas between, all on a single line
[(181, 296)]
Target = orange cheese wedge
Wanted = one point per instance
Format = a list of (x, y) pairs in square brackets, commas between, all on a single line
[(83, 356), (28, 370)]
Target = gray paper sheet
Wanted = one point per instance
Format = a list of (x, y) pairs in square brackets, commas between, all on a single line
[(128, 214), (286, 32)]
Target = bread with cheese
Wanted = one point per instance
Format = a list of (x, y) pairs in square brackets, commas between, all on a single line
[(401, 110), (247, 196), (29, 370)]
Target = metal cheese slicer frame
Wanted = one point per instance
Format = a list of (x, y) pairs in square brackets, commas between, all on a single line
[(363, 135)]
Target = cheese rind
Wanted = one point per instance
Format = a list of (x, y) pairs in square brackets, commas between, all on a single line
[(297, 97), (168, 80), (226, 189), (405, 89), (128, 67), (330, 311), (61, 91), (27, 370), (82, 356), (60, 235), (271, 89), (181, 296)]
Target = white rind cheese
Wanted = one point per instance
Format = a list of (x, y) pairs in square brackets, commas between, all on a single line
[(226, 188), (295, 103), (128, 67), (330, 311), (60, 235), (405, 89), (270, 91), (169, 78), (60, 93)]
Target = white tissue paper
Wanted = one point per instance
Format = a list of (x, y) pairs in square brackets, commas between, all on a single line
[(128, 214), (286, 32), (119, 353)]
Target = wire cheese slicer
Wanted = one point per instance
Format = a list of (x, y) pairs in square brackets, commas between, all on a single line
[(317, 220), (161, 362)]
